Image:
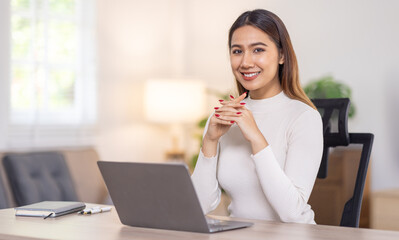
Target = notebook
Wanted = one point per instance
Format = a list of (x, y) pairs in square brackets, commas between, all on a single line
[(158, 195), (49, 209)]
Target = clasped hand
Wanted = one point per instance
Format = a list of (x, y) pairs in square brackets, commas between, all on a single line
[(234, 112)]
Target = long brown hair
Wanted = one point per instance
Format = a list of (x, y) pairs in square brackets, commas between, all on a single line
[(272, 25)]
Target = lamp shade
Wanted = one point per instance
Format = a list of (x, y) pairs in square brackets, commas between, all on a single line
[(174, 100)]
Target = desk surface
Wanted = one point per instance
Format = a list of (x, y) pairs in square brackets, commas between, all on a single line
[(107, 226)]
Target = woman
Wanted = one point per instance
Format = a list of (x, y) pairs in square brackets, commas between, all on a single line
[(264, 147)]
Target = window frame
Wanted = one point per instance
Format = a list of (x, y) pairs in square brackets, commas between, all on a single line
[(42, 128)]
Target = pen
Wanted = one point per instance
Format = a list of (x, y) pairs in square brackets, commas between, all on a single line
[(94, 210), (88, 210)]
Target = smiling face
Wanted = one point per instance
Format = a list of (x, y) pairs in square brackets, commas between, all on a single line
[(255, 60)]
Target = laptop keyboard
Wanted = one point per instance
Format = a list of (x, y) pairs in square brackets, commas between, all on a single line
[(212, 221), (216, 223)]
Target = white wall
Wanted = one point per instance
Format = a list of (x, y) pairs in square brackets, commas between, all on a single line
[(131, 49), (355, 41), (4, 65), (138, 40)]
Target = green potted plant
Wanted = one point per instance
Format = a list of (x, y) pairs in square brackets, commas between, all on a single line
[(328, 87)]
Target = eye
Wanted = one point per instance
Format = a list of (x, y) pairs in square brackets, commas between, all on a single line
[(257, 50), (236, 51)]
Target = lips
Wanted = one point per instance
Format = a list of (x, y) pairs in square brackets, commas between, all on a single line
[(248, 76)]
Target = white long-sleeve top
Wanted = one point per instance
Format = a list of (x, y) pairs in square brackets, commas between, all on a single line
[(275, 183)]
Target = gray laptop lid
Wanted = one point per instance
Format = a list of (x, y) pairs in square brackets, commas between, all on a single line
[(156, 195)]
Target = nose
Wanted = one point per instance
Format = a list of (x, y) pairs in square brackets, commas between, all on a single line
[(247, 61)]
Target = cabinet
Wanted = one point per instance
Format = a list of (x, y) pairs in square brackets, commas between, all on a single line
[(385, 210)]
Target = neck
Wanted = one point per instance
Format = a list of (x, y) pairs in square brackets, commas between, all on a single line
[(267, 91)]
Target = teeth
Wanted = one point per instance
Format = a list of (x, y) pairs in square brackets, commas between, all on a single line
[(251, 74)]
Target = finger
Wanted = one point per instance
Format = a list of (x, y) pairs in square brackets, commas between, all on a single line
[(223, 122), (237, 106), (240, 98), (229, 110), (234, 100), (224, 102), (229, 114), (225, 108), (228, 118)]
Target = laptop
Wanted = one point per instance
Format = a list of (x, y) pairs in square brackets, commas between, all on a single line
[(159, 195)]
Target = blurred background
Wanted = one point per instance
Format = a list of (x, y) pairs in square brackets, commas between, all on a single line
[(74, 72)]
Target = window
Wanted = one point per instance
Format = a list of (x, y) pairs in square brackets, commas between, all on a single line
[(52, 86)]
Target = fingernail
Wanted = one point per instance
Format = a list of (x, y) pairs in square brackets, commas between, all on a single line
[(231, 121), (217, 115), (239, 112), (216, 108), (243, 103), (231, 97), (245, 92), (221, 100)]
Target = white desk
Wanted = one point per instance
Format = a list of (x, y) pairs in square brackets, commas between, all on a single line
[(107, 226)]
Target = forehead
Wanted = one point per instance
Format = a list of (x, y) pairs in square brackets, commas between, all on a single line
[(248, 34)]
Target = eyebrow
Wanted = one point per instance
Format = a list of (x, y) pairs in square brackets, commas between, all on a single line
[(252, 44)]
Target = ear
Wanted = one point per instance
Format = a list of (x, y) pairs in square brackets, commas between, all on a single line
[(281, 56)]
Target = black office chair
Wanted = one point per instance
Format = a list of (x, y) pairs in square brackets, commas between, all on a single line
[(39, 176), (336, 111), (3, 196)]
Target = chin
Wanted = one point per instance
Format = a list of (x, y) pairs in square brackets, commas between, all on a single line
[(247, 86)]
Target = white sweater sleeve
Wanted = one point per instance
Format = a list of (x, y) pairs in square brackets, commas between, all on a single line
[(289, 189), (205, 181)]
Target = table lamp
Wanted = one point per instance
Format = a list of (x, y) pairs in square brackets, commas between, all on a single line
[(174, 102)]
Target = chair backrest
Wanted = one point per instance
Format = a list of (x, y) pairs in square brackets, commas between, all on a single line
[(3, 196), (351, 213), (341, 137), (334, 110), (39, 176)]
